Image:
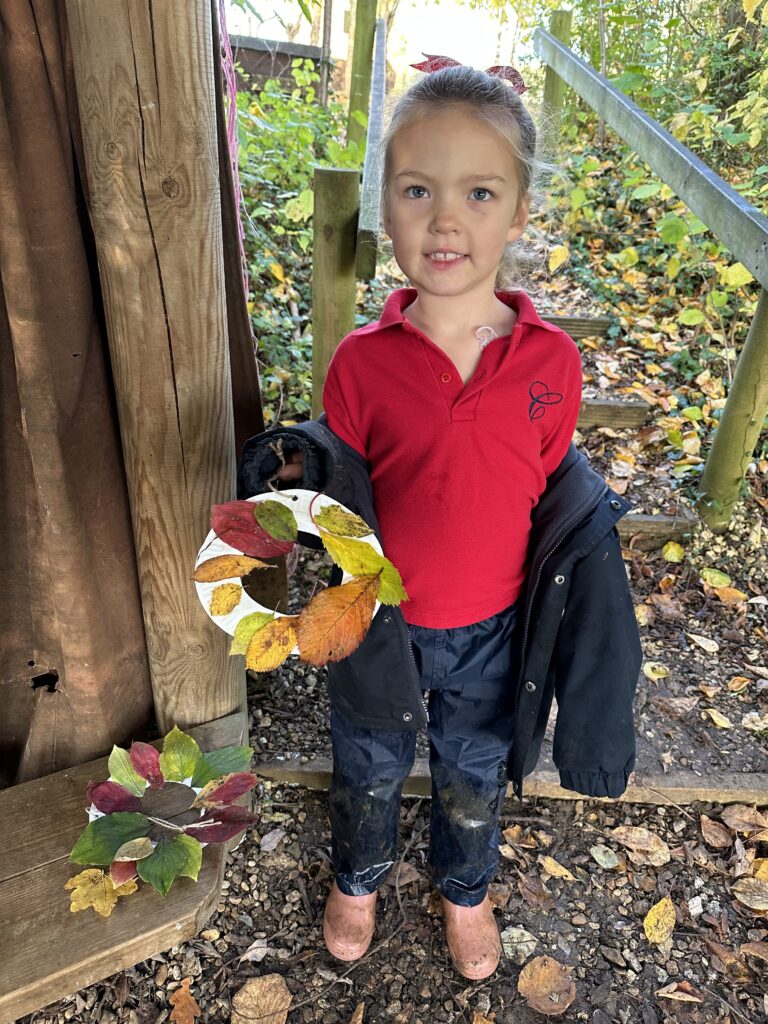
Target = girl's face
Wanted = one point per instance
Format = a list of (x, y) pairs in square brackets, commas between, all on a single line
[(452, 203)]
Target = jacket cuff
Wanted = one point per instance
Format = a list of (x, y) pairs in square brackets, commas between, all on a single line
[(597, 783)]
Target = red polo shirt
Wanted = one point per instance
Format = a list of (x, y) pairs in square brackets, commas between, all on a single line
[(456, 468)]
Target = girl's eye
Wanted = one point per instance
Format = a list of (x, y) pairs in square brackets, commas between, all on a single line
[(488, 194), (418, 188)]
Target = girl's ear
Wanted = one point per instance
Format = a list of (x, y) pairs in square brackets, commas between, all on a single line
[(518, 225)]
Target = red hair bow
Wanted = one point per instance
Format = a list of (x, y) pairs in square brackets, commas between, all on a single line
[(435, 63)]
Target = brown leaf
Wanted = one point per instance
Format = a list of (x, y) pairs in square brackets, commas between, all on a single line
[(644, 847), (499, 893), (734, 965), (266, 998), (357, 1016), (682, 991), (184, 1004), (546, 986), (334, 622), (674, 707), (742, 818), (752, 892), (271, 645), (533, 891), (757, 949), (226, 567), (714, 833)]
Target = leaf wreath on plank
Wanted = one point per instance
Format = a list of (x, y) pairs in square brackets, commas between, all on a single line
[(152, 817), (335, 622)]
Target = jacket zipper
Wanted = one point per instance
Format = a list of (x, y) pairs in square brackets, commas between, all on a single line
[(555, 545)]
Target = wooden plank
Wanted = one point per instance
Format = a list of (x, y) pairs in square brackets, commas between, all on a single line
[(677, 787), (581, 326), (145, 90), (653, 531), (48, 952), (362, 63), (612, 412), (741, 227)]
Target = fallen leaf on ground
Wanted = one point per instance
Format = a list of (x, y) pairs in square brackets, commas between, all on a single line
[(184, 1004), (659, 922), (644, 847), (738, 684), (272, 840), (672, 552), (513, 834), (714, 833), (518, 944), (94, 888), (755, 722), (604, 856), (720, 720), (752, 892), (266, 998), (546, 986), (742, 818), (552, 867), (357, 1016), (654, 670), (682, 991), (734, 965), (706, 644), (256, 951), (533, 891), (756, 949)]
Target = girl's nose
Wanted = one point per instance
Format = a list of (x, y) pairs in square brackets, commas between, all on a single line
[(445, 220)]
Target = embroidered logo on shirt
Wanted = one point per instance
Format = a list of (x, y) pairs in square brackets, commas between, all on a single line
[(541, 397)]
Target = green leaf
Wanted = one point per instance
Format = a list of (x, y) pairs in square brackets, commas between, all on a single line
[(215, 763), (715, 578), (165, 864), (360, 559), (194, 859), (736, 276), (180, 755), (691, 316), (103, 837), (245, 629), (646, 191), (276, 519), (692, 412), (578, 198), (672, 230), (123, 772), (336, 519)]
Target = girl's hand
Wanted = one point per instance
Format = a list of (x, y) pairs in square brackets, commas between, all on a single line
[(293, 469)]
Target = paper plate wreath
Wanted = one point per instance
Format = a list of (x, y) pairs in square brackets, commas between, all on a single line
[(335, 621)]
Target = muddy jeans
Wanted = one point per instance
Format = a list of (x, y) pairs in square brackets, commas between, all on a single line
[(468, 673)]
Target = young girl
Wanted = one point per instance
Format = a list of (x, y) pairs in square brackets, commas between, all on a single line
[(462, 402)]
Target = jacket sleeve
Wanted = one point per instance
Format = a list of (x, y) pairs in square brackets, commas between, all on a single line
[(265, 453), (596, 664)]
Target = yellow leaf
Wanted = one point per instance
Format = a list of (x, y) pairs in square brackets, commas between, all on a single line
[(94, 888), (225, 597), (644, 614), (760, 868), (134, 849), (720, 720), (271, 645), (552, 867), (715, 578), (752, 892), (277, 271), (655, 670), (358, 558), (738, 684), (335, 622), (225, 567), (750, 6), (558, 256), (706, 644), (730, 595), (659, 922), (673, 552)]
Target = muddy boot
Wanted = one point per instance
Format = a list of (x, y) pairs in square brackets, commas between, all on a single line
[(348, 924), (473, 939)]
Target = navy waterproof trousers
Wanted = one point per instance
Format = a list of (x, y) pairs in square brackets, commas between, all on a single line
[(468, 674)]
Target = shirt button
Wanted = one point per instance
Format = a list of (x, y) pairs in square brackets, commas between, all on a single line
[(445, 378), (407, 716), (530, 687), (615, 504), (559, 579)]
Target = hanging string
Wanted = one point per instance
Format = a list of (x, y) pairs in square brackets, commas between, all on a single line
[(230, 107)]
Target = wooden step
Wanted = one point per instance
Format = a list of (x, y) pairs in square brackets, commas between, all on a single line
[(677, 787), (47, 951), (646, 532), (619, 413), (581, 326)]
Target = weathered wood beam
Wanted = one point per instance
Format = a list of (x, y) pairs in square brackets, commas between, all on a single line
[(145, 89), (370, 190), (677, 787), (362, 59), (653, 531), (581, 326), (612, 412)]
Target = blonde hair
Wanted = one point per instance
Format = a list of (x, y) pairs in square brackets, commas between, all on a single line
[(494, 101)]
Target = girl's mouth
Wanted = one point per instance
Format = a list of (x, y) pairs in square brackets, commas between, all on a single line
[(444, 260)]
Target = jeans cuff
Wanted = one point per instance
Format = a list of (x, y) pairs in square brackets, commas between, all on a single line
[(363, 883), (459, 894)]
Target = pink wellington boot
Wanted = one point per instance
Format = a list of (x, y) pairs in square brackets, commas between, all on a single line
[(473, 939), (348, 924)]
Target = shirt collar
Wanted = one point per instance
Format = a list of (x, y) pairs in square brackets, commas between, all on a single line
[(401, 298)]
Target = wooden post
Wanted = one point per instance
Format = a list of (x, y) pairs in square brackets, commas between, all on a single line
[(742, 419), (145, 85), (554, 86), (370, 191), (325, 54), (337, 200), (362, 58)]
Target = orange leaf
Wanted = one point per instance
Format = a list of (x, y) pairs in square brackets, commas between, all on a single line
[(546, 986), (334, 622), (184, 1004), (271, 645), (226, 567)]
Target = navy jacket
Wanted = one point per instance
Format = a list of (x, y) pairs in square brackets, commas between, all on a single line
[(580, 637)]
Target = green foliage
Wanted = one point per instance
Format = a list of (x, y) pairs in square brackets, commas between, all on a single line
[(283, 135)]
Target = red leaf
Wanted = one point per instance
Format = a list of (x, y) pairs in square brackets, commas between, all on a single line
[(226, 789), (235, 523), (122, 870), (511, 74), (435, 63), (221, 824), (146, 760), (108, 797)]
